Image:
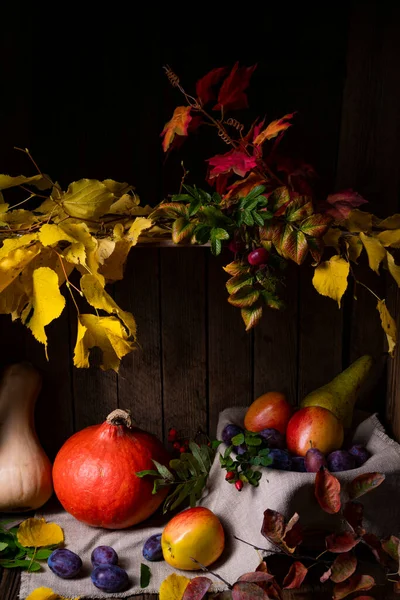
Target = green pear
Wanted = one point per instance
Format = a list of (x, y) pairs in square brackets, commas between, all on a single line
[(340, 395)]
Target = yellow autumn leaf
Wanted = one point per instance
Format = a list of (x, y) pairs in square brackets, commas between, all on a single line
[(36, 532), (45, 593), (390, 237), (274, 129), (105, 248), (392, 222), (178, 125), (388, 325), (19, 218), (51, 234), (15, 261), (10, 244), (108, 334), (124, 205), (87, 199), (330, 278), (113, 267), (375, 251), (97, 297), (117, 188), (47, 303), (46, 258), (358, 220), (13, 299), (173, 587), (354, 248), (394, 269), (39, 181), (331, 238)]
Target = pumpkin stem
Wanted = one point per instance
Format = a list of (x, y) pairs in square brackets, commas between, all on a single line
[(120, 417)]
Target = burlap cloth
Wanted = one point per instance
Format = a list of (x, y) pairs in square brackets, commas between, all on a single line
[(241, 514)]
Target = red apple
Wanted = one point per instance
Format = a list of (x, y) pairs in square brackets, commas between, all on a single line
[(269, 411), (194, 533), (314, 427)]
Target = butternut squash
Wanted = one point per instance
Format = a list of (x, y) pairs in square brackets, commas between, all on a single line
[(25, 470)]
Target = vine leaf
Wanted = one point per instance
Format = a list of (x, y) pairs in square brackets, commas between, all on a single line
[(327, 491), (204, 86), (234, 161), (356, 583), (375, 251), (231, 94), (295, 576), (342, 203), (274, 129), (251, 316), (178, 125), (286, 535), (330, 278), (388, 325), (354, 248)]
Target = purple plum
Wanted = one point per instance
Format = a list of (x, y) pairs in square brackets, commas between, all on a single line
[(360, 453), (298, 464), (273, 438), (229, 432), (314, 460), (281, 459), (341, 460)]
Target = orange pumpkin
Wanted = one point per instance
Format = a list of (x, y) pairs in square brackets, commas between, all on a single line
[(94, 473)]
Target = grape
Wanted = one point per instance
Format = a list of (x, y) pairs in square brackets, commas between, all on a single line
[(298, 464), (229, 432), (341, 460), (104, 555), (64, 563), (152, 548), (109, 578), (281, 459), (258, 256), (273, 438), (314, 460), (360, 453)]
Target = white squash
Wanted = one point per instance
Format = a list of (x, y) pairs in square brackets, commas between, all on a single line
[(25, 470)]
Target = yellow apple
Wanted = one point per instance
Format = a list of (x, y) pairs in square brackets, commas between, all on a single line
[(194, 533)]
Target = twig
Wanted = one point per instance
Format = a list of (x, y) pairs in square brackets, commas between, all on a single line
[(204, 568), (68, 283)]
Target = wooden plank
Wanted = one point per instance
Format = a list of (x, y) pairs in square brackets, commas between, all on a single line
[(139, 378), (230, 371), (392, 412), (183, 326), (275, 344)]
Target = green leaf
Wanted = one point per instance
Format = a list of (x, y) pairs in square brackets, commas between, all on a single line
[(245, 297), (183, 490), (238, 439), (163, 471), (228, 451), (169, 210), (316, 225), (279, 198), (299, 209), (145, 575), (258, 218), (202, 233), (237, 267), (3, 546), (23, 564), (219, 233), (252, 440), (181, 198), (158, 484), (194, 207), (146, 472), (216, 198), (255, 192), (191, 463), (195, 450), (247, 218), (265, 461), (216, 246), (182, 228), (234, 284)]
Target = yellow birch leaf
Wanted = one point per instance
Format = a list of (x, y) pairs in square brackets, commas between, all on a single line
[(97, 297), (392, 222), (105, 248), (330, 278), (376, 252), (124, 205), (19, 218), (358, 220), (354, 248), (15, 261), (46, 258), (390, 237), (173, 587), (113, 267), (45, 593), (47, 302), (108, 334), (51, 234), (13, 299), (118, 231), (87, 199), (36, 532), (10, 244), (394, 269), (117, 188), (39, 181), (388, 325), (75, 254), (331, 238)]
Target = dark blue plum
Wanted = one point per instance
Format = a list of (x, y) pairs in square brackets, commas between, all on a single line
[(360, 453), (240, 449), (229, 432), (110, 578), (273, 438), (152, 548), (64, 563), (314, 460), (104, 555), (341, 460), (281, 459), (298, 464)]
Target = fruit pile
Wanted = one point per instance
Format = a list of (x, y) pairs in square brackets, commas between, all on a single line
[(106, 575), (275, 435)]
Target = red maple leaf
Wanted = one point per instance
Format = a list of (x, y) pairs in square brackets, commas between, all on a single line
[(343, 203), (235, 161), (231, 95), (204, 86)]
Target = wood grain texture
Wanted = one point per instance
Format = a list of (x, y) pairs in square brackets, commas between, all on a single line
[(183, 326), (139, 377), (392, 412), (230, 347)]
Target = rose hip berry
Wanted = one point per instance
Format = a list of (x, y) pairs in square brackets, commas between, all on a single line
[(230, 475), (239, 485), (172, 435), (177, 446), (258, 256)]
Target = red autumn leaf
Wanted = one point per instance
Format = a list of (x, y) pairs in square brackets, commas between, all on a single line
[(353, 512), (204, 86), (316, 247), (295, 577), (316, 225), (248, 591), (343, 567), (299, 208), (392, 547), (231, 95), (178, 125), (293, 244), (234, 161), (356, 583), (374, 544), (262, 567), (256, 577), (343, 203), (273, 129), (364, 483), (197, 588), (293, 532), (341, 542), (273, 527), (327, 491), (220, 182)]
